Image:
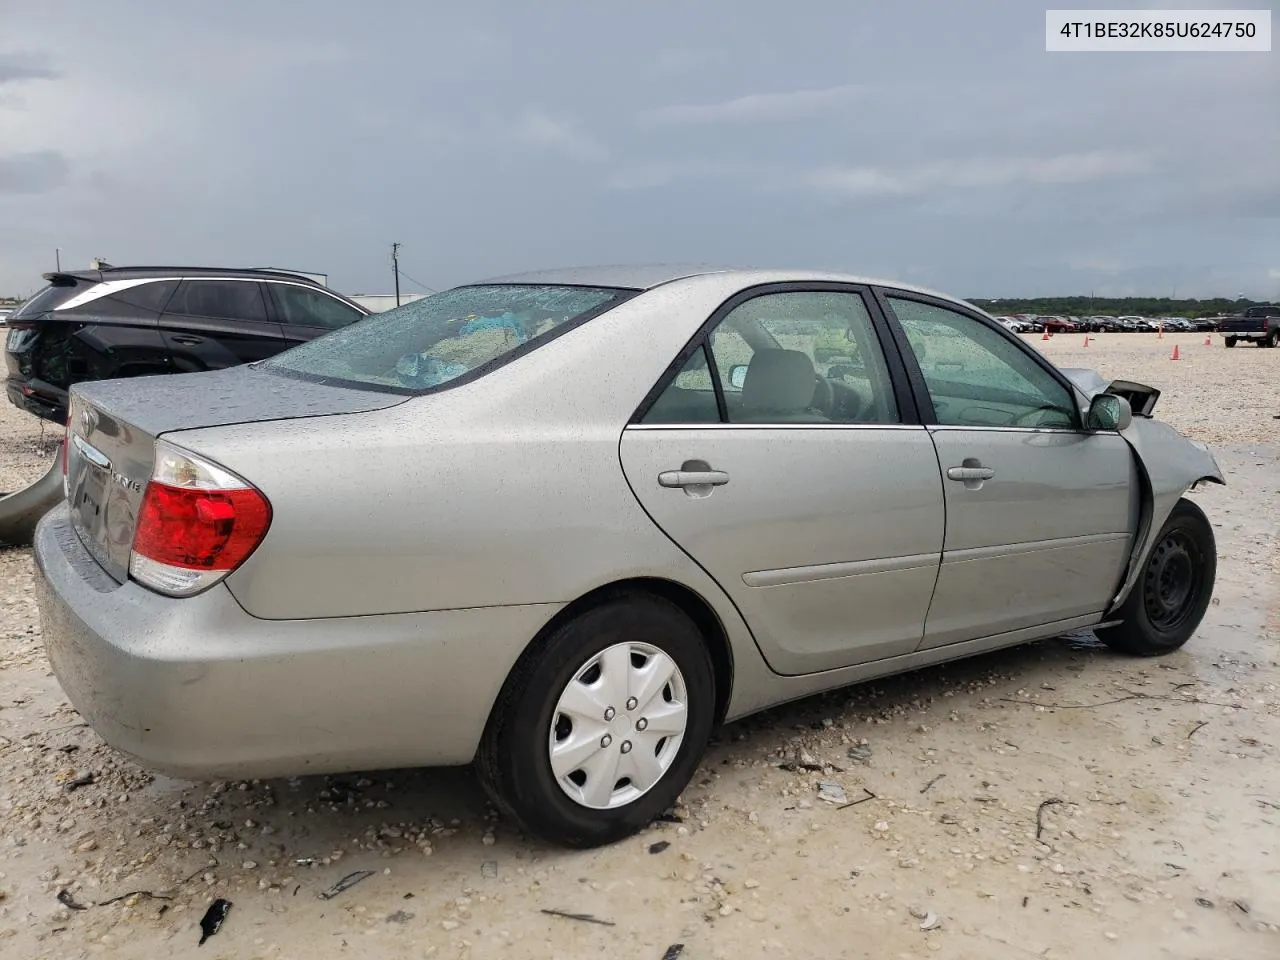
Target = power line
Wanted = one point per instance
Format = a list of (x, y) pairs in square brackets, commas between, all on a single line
[(419, 283)]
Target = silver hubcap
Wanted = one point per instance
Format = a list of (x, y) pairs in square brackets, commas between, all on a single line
[(618, 725)]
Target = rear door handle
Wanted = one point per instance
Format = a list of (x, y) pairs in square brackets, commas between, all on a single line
[(181, 338), (693, 478), (970, 473)]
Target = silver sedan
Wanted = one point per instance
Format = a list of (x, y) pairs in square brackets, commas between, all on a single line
[(560, 525)]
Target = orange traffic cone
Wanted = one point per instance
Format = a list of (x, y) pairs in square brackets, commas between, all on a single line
[(1046, 334), (1161, 329), (1208, 341), (1175, 355), (1086, 340)]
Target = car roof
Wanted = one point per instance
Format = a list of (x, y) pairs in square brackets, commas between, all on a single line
[(646, 277), (627, 277), (139, 272)]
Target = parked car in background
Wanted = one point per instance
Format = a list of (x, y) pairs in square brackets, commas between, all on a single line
[(137, 321), (1259, 324), (1057, 325), (563, 524)]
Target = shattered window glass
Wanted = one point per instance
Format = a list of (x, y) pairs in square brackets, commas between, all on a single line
[(439, 338)]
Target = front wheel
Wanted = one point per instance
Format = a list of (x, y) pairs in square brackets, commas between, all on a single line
[(1270, 340), (1171, 595), (602, 724), (1230, 341)]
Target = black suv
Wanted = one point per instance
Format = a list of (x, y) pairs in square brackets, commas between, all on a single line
[(137, 321)]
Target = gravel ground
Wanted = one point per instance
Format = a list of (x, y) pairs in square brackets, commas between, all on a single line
[(1049, 801)]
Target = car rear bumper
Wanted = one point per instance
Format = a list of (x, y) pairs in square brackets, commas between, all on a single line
[(198, 688), (44, 407)]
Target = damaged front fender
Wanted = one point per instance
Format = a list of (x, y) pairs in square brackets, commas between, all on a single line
[(1169, 465)]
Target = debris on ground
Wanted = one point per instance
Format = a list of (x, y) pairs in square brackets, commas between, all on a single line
[(832, 792), (673, 952), (488, 870), (1044, 805), (399, 917), (67, 900), (213, 919), (860, 752), (346, 883), (581, 917), (659, 846)]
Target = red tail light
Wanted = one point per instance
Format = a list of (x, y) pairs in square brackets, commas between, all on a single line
[(197, 522)]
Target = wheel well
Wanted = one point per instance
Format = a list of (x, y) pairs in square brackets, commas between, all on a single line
[(693, 605)]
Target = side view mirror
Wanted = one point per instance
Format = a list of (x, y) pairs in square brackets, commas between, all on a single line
[(737, 375), (1109, 412)]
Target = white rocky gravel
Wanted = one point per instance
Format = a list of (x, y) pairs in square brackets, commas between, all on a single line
[(1162, 844)]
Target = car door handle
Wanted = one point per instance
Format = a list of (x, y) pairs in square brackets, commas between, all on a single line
[(692, 478), (970, 473), (182, 338)]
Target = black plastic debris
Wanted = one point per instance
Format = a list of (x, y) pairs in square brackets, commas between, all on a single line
[(673, 951), (580, 917), (67, 900), (78, 782), (346, 883), (399, 917), (213, 918), (659, 846)]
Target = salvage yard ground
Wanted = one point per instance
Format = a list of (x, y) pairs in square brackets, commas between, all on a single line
[(1050, 801)]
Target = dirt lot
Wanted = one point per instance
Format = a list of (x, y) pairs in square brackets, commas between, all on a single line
[(1049, 801)]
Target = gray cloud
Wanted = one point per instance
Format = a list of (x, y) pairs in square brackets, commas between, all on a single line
[(15, 67), (39, 171), (540, 129), (761, 107), (963, 174)]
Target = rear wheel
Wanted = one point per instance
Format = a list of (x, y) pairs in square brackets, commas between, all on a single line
[(1230, 341), (1271, 339), (600, 726), (1172, 593)]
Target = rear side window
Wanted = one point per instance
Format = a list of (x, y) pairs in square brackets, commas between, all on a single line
[(49, 298), (131, 300), (304, 307), (221, 299), (439, 338)]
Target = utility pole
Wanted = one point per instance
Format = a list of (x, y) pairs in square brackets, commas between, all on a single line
[(395, 268), (57, 259)]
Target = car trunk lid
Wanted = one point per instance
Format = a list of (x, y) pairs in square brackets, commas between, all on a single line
[(113, 425)]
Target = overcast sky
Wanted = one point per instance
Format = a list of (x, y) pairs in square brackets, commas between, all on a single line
[(931, 142)]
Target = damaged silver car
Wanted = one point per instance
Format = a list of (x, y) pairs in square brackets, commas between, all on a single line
[(560, 525)]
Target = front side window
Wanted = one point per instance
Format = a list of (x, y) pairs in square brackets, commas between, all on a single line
[(219, 299), (300, 306), (976, 376), (793, 357), (439, 338)]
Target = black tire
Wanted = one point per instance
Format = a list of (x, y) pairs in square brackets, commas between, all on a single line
[(1270, 340), (1230, 341), (513, 762), (1173, 591)]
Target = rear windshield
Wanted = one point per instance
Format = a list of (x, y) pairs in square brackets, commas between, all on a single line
[(48, 298), (448, 335)]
